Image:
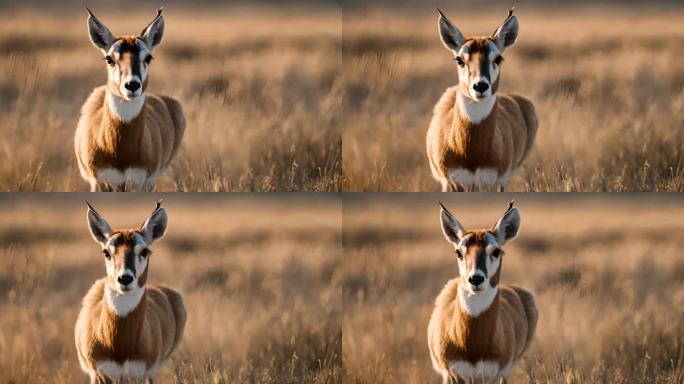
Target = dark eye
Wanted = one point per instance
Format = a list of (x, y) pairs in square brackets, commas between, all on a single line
[(148, 59), (106, 254), (109, 60), (498, 60), (145, 252), (459, 61), (459, 254), (496, 253)]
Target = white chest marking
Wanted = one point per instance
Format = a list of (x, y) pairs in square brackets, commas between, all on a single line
[(487, 179), (125, 110), (130, 369), (475, 110), (463, 177), (481, 370), (122, 305), (475, 304), (131, 177)]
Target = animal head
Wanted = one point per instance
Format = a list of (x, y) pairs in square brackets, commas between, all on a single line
[(480, 252), (128, 57), (478, 58), (126, 252)]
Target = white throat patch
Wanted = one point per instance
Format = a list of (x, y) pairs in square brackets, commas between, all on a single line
[(123, 304), (475, 304), (125, 110), (475, 111)]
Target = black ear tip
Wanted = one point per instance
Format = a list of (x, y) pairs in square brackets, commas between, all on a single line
[(510, 14), (444, 209), (89, 206)]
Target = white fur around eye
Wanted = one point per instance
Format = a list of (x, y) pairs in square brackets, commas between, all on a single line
[(140, 262), (144, 52)]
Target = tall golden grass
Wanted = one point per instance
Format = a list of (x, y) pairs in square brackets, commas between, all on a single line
[(607, 273), (260, 87), (607, 82), (260, 278)]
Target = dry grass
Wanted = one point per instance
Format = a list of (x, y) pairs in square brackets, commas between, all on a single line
[(607, 273), (607, 83), (260, 87), (260, 276)]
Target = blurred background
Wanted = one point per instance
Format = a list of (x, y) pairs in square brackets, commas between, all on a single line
[(606, 78), (607, 272), (259, 82), (260, 276)]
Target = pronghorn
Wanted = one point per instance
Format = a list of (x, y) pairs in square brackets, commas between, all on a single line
[(125, 137), (479, 328), (126, 328), (476, 139)]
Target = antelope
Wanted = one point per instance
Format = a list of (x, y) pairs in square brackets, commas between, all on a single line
[(479, 328), (476, 138), (125, 138), (127, 328)]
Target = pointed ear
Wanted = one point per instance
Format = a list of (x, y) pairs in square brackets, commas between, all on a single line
[(507, 33), (451, 37), (98, 226), (507, 227), (153, 33), (100, 35), (155, 226), (453, 230)]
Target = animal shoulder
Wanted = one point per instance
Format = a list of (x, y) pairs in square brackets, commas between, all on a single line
[(445, 106), (95, 295), (95, 101), (448, 295)]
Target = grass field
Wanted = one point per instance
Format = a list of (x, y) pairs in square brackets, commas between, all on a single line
[(607, 273), (607, 83), (260, 278), (260, 87)]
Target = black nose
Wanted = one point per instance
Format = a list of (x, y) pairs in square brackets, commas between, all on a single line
[(132, 85), (481, 86), (476, 280), (125, 279)]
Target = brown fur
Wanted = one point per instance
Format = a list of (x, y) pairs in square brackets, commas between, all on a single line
[(150, 141), (502, 333), (501, 141), (149, 333)]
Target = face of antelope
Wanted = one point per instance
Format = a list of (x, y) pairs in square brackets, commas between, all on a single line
[(127, 58), (126, 252), (478, 59), (480, 252)]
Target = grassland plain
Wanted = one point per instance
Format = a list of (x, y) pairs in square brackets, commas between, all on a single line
[(607, 82), (260, 86), (260, 278), (607, 273)]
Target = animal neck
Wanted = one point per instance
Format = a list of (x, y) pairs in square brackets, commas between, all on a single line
[(477, 316), (473, 111), (474, 125), (122, 317), (122, 121)]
